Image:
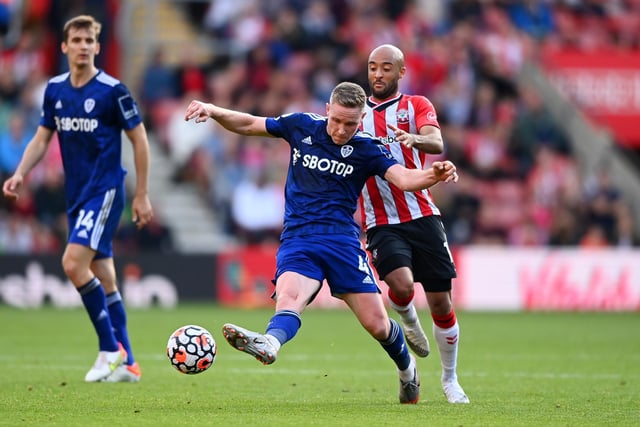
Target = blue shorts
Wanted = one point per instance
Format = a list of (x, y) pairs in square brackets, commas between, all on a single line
[(95, 222), (340, 260)]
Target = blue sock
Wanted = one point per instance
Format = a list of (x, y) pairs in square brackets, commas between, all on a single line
[(95, 303), (394, 345), (284, 325), (119, 323)]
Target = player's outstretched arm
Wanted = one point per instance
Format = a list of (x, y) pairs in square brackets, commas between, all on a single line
[(417, 179), (31, 156), (234, 121)]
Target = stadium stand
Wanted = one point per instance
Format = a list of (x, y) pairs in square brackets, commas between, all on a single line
[(534, 170)]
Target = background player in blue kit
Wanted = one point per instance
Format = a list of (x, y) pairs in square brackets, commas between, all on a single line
[(330, 162), (89, 109)]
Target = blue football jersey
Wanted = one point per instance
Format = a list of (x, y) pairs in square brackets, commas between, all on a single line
[(324, 179), (89, 121)]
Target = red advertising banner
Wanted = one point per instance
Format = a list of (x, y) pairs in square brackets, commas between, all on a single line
[(605, 85), (244, 276), (570, 279)]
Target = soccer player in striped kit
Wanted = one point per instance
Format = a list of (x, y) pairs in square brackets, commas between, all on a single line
[(88, 109), (329, 163), (405, 234)]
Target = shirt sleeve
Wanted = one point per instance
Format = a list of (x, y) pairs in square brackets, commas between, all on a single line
[(47, 119), (281, 126), (425, 113), (126, 108)]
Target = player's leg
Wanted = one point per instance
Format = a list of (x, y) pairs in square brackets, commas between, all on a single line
[(75, 261), (435, 269), (104, 269), (401, 294), (351, 278), (446, 332), (293, 292), (392, 257), (370, 311), (92, 228)]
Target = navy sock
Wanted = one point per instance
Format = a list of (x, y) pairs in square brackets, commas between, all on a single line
[(119, 323), (284, 325), (394, 345), (95, 303)]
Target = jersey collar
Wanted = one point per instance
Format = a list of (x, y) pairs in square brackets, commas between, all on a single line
[(384, 104)]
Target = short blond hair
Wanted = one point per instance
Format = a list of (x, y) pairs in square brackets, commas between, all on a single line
[(348, 95), (81, 21)]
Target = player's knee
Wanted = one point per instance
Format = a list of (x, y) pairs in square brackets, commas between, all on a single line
[(377, 328), (439, 303), (74, 269), (402, 289), (70, 266)]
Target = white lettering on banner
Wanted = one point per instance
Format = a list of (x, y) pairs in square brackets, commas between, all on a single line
[(36, 288), (148, 290), (601, 91), (542, 279), (554, 286)]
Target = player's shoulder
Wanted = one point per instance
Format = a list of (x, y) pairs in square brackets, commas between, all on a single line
[(60, 78), (369, 145), (304, 117), (302, 120), (418, 100), (107, 79), (367, 138)]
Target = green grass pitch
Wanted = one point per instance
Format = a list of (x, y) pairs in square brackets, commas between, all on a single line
[(519, 369)]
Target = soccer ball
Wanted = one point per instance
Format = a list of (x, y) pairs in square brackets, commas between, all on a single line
[(191, 349)]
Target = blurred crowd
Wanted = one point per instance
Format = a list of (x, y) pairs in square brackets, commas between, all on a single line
[(30, 54), (520, 182)]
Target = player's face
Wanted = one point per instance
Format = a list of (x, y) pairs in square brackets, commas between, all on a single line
[(81, 47), (383, 75), (342, 122)]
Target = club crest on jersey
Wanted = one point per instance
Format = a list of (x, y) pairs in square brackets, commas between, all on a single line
[(296, 156), (346, 150), (402, 116), (89, 104)]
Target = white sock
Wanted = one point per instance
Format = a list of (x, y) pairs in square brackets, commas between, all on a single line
[(407, 374), (407, 312), (447, 340), (274, 341)]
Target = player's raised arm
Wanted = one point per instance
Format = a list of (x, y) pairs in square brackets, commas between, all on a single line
[(234, 121), (417, 179)]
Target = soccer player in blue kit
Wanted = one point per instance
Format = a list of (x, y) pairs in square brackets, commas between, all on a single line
[(89, 109), (329, 164)]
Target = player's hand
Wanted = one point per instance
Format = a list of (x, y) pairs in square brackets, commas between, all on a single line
[(11, 187), (142, 212), (197, 110), (405, 138), (445, 171)]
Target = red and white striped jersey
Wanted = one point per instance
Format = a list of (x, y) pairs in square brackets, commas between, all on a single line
[(381, 202)]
